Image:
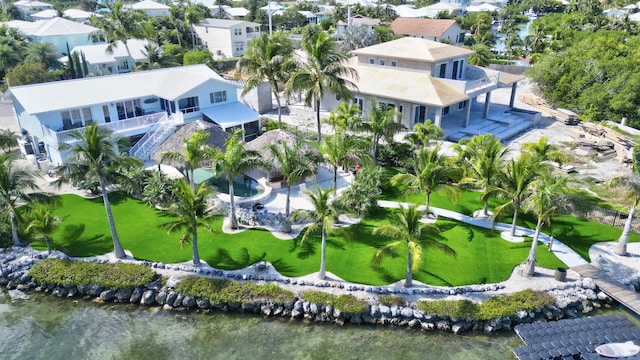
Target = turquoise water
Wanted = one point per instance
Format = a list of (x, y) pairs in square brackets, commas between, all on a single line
[(243, 185), (49, 328)]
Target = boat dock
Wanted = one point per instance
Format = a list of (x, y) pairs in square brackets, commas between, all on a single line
[(618, 292), (574, 338)]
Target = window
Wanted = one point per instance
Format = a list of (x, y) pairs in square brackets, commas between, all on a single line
[(443, 70), (237, 32), (190, 104), (76, 118), (359, 102), (387, 105), (382, 62), (454, 72), (445, 111), (394, 64), (106, 113), (218, 96), (372, 61), (400, 109), (461, 69), (129, 109), (239, 46), (461, 105)]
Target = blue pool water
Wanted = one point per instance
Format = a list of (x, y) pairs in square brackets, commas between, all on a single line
[(243, 185)]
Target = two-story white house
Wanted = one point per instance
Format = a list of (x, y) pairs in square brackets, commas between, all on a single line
[(142, 106), (102, 62), (59, 32), (226, 38), (421, 79)]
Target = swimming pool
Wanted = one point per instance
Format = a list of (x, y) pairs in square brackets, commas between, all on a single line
[(243, 185)]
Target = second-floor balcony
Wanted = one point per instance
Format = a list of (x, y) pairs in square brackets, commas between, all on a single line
[(118, 126), (482, 83), (251, 35)]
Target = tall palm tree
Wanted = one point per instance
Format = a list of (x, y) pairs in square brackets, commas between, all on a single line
[(42, 222), (193, 14), (294, 165), (16, 185), (407, 228), (324, 69), (422, 134), (235, 161), (632, 184), (342, 149), (94, 158), (121, 25), (345, 117), (549, 196), (43, 53), (482, 159), (381, 125), (544, 151), (193, 212), (10, 53), (322, 217), (194, 153), (267, 58), (8, 140), (432, 172), (514, 184), (482, 55)]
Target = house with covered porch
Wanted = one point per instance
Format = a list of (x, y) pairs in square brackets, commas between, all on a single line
[(144, 107), (426, 80)]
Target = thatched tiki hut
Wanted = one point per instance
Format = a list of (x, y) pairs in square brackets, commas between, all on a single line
[(176, 142), (262, 143)]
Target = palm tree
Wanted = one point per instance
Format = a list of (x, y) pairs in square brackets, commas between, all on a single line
[(8, 140), (342, 149), (322, 218), (236, 160), (481, 56), (381, 125), (543, 151), (192, 16), (10, 53), (94, 157), (193, 212), (155, 57), (422, 134), (514, 184), (43, 53), (294, 165), (482, 157), (632, 183), (16, 185), (42, 222), (195, 152), (267, 58), (323, 69), (432, 173), (121, 25), (345, 117), (408, 229), (549, 196)]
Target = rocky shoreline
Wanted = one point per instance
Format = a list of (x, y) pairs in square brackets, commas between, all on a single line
[(572, 301)]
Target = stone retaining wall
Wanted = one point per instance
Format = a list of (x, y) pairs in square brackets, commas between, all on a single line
[(16, 263)]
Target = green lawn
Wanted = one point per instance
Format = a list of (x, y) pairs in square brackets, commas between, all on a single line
[(482, 255)]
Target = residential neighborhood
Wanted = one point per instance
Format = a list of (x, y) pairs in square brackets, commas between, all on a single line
[(439, 167)]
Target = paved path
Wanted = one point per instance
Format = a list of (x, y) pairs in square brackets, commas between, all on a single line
[(611, 287), (562, 251)]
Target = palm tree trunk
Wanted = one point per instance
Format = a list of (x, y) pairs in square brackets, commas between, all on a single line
[(512, 232), (279, 109), (530, 267), (323, 255), (177, 34), (190, 175), (286, 225), (427, 200), (486, 209), (375, 150), (232, 216), (194, 246), (318, 120), (335, 182), (408, 280), (133, 61), (48, 242), (14, 230), (621, 248), (117, 248)]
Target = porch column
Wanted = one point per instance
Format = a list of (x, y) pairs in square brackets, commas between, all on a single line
[(487, 100), (467, 113), (438, 120), (512, 100)]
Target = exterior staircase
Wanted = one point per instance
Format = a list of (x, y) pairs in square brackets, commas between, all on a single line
[(155, 136)]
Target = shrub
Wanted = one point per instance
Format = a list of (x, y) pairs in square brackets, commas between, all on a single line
[(451, 308), (112, 276), (347, 303), (392, 300), (395, 154), (507, 305), (221, 291)]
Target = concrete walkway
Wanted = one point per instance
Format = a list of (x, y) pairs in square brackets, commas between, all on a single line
[(562, 251)]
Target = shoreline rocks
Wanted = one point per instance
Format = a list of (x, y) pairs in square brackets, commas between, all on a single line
[(570, 301)]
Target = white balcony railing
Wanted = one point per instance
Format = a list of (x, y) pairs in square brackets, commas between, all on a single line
[(52, 136), (478, 84), (251, 35)]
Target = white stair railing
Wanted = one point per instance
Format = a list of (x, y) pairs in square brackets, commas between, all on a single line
[(154, 137)]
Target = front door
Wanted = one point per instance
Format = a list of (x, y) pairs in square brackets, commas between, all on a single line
[(420, 114)]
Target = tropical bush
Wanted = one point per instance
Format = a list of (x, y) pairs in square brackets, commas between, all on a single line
[(112, 276), (392, 300), (361, 197), (395, 154), (347, 303), (451, 308), (221, 291)]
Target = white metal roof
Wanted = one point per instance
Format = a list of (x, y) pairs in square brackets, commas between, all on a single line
[(231, 114), (167, 83), (32, 4), (225, 23), (51, 27), (77, 14), (45, 14), (97, 53), (149, 5)]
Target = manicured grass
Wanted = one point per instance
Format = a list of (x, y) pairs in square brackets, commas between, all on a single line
[(482, 255)]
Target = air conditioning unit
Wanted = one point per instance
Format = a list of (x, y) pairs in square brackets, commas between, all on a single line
[(218, 52)]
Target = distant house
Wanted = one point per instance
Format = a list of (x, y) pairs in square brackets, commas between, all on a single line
[(356, 20), (226, 38), (273, 7), (442, 30), (59, 32), (44, 15), (101, 62), (311, 17), (228, 12), (28, 7), (151, 8), (132, 105), (78, 15)]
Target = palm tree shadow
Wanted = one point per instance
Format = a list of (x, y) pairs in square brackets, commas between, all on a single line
[(307, 249), (79, 245), (427, 273)]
